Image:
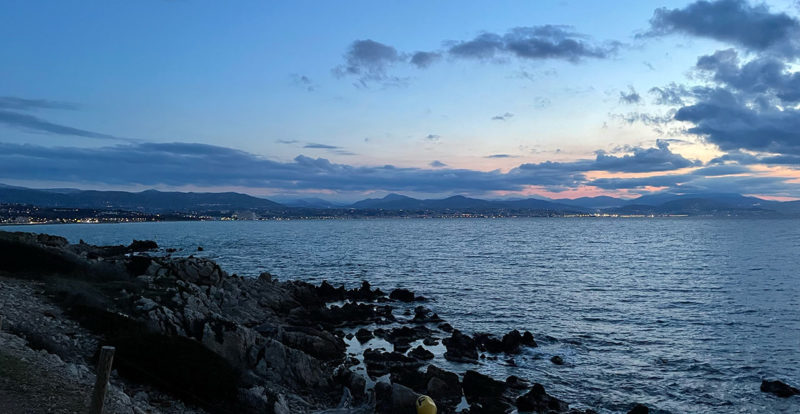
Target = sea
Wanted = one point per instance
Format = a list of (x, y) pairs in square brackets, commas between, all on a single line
[(684, 315)]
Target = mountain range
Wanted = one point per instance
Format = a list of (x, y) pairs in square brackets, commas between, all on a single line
[(153, 201)]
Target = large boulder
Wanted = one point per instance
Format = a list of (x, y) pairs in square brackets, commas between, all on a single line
[(197, 270), (779, 388), (485, 394), (460, 348), (538, 401), (319, 344), (443, 386)]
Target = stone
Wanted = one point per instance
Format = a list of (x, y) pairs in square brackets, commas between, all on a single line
[(460, 348), (363, 335), (485, 394), (420, 353), (538, 401), (402, 295), (557, 360), (779, 388)]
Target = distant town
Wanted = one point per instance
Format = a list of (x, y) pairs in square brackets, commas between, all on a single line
[(34, 206)]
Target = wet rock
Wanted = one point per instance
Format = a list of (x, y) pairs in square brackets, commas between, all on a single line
[(420, 353), (527, 340), (443, 386), (639, 409), (517, 383), (200, 248), (402, 295), (538, 401), (488, 343), (356, 314), (381, 363), (460, 348), (408, 375), (485, 394), (512, 342), (446, 327), (430, 341), (142, 245), (330, 293), (779, 388), (365, 293), (425, 315), (557, 360), (363, 335), (403, 399)]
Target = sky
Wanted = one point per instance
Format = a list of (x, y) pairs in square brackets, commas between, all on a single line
[(356, 99)]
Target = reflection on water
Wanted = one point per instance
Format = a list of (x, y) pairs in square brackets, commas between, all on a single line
[(686, 315)]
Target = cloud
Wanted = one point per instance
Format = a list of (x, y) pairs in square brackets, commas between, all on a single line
[(534, 43), (304, 82), (671, 94), (767, 75), (319, 146), (432, 137), (734, 21), (32, 123), (23, 104), (200, 165), (632, 97), (423, 60), (502, 117), (369, 61), (500, 156)]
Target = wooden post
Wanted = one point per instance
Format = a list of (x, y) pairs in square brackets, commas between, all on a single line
[(100, 385)]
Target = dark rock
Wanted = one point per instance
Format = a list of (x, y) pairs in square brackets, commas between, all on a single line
[(349, 336), (517, 383), (425, 315), (488, 343), (778, 388), (197, 270), (356, 314), (421, 353), (381, 363), (485, 394), (403, 399), (446, 327), (557, 360), (363, 335), (430, 341), (527, 340), (402, 295), (443, 386), (639, 409), (329, 293), (383, 397), (512, 342), (200, 248), (402, 337), (142, 245), (460, 348), (365, 293), (538, 401), (408, 375)]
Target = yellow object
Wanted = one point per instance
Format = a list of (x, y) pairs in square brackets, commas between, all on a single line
[(425, 405)]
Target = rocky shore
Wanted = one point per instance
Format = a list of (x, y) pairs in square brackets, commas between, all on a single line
[(191, 338)]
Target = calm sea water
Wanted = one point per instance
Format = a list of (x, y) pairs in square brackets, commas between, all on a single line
[(686, 315)]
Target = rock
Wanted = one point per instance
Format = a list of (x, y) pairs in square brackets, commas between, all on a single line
[(381, 363), (142, 245), (198, 271), (408, 375), (485, 394), (443, 386), (446, 327), (512, 342), (425, 315), (403, 399), (639, 409), (430, 341), (779, 388), (488, 343), (200, 248), (402, 337), (363, 335), (460, 348), (527, 340), (517, 383), (402, 295), (538, 401), (319, 344), (557, 360), (420, 353)]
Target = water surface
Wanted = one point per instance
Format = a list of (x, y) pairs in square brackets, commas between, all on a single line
[(687, 315)]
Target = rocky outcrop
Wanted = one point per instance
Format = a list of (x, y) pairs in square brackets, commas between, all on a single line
[(779, 388), (538, 401), (460, 348)]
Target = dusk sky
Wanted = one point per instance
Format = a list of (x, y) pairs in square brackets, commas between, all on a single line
[(347, 100)]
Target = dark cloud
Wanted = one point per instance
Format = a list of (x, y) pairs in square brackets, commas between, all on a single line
[(733, 21), (671, 94), (424, 59), (631, 97), (768, 76), (501, 156), (536, 43), (369, 61), (320, 146), (35, 124), (437, 164), (23, 104), (287, 141), (502, 117), (432, 137)]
